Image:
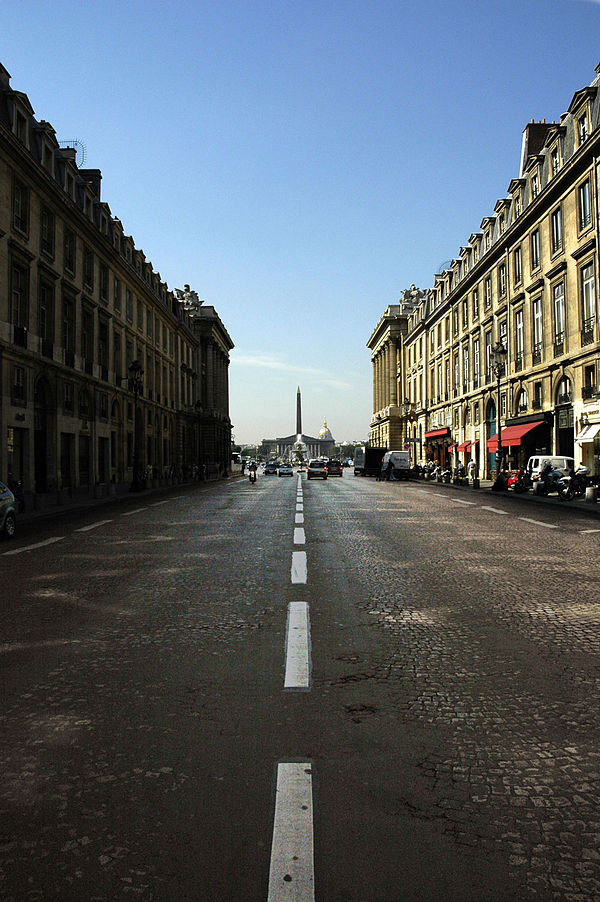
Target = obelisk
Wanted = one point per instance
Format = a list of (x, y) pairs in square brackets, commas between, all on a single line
[(298, 416)]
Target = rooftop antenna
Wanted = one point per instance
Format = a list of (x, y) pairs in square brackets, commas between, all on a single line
[(80, 149)]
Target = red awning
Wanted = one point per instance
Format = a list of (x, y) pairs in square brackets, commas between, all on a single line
[(511, 436), (476, 442), (452, 447), (463, 447), (438, 433)]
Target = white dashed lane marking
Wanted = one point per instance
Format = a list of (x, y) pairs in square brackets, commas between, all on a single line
[(136, 511), (92, 526), (539, 523), (37, 545), (299, 568), (297, 647), (291, 873), (299, 536), (299, 518)]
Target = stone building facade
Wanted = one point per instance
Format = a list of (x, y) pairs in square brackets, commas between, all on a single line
[(527, 278), (79, 303)]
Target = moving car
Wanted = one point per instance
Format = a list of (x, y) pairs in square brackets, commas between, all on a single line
[(334, 468), (317, 469), (271, 468), (285, 470), (8, 516)]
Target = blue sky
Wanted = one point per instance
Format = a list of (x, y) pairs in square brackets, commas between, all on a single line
[(300, 163)]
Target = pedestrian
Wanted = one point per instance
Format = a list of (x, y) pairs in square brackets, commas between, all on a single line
[(389, 470), (471, 469)]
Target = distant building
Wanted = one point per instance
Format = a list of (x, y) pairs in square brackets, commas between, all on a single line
[(312, 447), (79, 304)]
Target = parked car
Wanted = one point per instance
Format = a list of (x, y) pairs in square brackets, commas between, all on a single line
[(536, 464), (285, 470), (334, 468), (317, 469), (8, 516), (271, 468)]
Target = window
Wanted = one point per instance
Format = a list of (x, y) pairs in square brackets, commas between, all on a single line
[(103, 287), (20, 206), (517, 205), (523, 402), (554, 160), (128, 305), (69, 251), (117, 358), (466, 368), (68, 397), (488, 356), (87, 334), (535, 250), (88, 268), (488, 293), (140, 314), (589, 382), (476, 304), (585, 204), (519, 339), (19, 295), (535, 185), (536, 318), (47, 232), (559, 315), (502, 279), (117, 295), (502, 223), (465, 314), (46, 311), (537, 396), (476, 363), (588, 302), (556, 230), (18, 392), (582, 128), (487, 240), (68, 323), (103, 343), (517, 266)]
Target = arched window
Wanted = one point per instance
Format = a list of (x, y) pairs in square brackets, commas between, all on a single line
[(564, 392), (523, 401)]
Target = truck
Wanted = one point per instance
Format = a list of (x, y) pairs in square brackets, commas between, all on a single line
[(368, 460), (400, 461)]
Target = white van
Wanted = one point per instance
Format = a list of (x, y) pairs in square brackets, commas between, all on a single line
[(400, 462), (537, 463)]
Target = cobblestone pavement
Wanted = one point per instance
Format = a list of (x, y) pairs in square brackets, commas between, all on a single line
[(452, 720), (497, 627)]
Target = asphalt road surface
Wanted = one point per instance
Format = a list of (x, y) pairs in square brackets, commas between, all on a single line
[(342, 691)]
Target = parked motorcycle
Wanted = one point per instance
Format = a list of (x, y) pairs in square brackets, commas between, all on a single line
[(573, 485), (520, 481), (549, 481)]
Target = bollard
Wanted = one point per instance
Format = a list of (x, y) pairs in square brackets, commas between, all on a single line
[(591, 494)]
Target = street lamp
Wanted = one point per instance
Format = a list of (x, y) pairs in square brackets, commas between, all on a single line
[(136, 382), (499, 353)]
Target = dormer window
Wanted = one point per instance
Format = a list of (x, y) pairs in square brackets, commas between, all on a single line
[(582, 128), (517, 205), (535, 185), (21, 127), (502, 224), (488, 240), (555, 160)]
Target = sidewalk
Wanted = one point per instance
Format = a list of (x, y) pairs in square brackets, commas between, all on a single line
[(50, 507), (485, 488)]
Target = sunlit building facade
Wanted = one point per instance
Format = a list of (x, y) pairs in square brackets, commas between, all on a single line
[(527, 277)]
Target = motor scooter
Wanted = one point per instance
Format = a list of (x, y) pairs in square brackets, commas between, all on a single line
[(548, 481), (573, 485), (252, 475), (520, 481)]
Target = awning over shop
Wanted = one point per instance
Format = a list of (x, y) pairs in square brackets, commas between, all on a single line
[(588, 433), (476, 442), (464, 446), (452, 447), (511, 436), (438, 433)]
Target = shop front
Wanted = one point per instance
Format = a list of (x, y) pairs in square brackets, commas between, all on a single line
[(520, 439), (437, 446)]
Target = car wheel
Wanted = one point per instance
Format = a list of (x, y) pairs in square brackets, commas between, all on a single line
[(10, 526)]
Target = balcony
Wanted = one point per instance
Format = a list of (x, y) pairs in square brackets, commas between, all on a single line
[(536, 356), (518, 362), (565, 398), (536, 404), (588, 392), (47, 348), (559, 344), (88, 366), (104, 373), (587, 333), (70, 358)]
